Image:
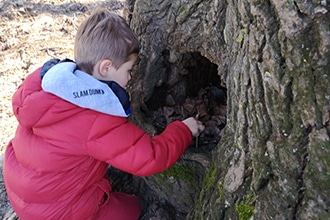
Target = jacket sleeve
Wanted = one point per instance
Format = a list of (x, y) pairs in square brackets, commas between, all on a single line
[(127, 147)]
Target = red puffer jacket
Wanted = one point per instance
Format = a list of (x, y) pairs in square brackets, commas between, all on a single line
[(55, 166)]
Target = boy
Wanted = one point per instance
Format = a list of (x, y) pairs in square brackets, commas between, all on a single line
[(73, 124)]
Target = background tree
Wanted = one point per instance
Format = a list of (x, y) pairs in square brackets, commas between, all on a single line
[(273, 57)]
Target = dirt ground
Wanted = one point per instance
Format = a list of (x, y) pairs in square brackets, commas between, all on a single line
[(32, 32)]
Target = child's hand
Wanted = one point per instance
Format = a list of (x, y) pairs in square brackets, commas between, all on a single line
[(195, 126)]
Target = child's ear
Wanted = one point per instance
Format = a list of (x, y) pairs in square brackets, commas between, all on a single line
[(104, 67)]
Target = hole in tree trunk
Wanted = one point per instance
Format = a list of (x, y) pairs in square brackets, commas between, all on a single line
[(192, 87)]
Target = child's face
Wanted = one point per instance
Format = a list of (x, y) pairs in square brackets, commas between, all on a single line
[(123, 74)]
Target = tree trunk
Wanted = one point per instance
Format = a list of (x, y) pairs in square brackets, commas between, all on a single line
[(274, 59)]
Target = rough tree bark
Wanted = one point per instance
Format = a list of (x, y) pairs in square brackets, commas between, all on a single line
[(274, 58)]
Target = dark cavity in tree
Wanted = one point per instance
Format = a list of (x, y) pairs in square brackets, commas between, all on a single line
[(191, 87)]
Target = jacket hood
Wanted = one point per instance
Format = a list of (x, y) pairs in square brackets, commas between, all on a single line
[(79, 88)]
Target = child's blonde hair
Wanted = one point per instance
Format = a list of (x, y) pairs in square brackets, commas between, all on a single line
[(104, 35)]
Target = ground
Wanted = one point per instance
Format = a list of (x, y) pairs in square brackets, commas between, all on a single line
[(33, 32)]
